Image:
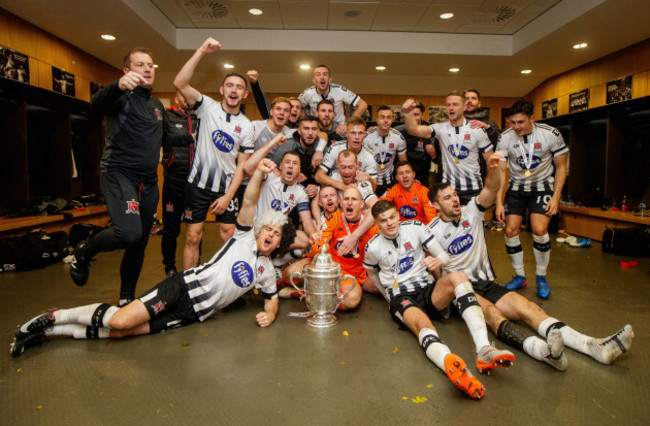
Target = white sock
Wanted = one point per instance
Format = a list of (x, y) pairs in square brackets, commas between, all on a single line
[(473, 315), (576, 341), (536, 348), (542, 252), (78, 331), (86, 315), (434, 348), (67, 330), (516, 254)]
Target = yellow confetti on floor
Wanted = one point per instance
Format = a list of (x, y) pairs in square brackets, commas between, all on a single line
[(39, 407), (429, 385), (345, 333), (396, 350), (184, 344), (404, 398), (19, 370), (342, 362), (418, 399)]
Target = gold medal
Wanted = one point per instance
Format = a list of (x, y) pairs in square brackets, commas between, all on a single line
[(395, 285), (382, 166), (356, 255), (456, 160), (256, 291), (527, 173)]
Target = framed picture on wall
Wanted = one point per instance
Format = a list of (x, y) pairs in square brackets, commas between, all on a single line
[(549, 108), (579, 101), (437, 114), (94, 88), (619, 90), (398, 115), (367, 114), (62, 82), (14, 65)]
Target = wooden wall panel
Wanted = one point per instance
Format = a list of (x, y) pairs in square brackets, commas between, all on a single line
[(45, 50), (633, 60)]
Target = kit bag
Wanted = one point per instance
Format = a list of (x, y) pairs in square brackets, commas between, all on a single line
[(36, 249), (627, 241)]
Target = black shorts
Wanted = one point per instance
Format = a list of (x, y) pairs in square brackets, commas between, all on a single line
[(490, 290), (517, 202), (169, 305), (466, 196), (197, 204), (420, 299)]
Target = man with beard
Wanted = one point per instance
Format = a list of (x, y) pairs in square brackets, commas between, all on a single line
[(336, 94), (460, 146), (479, 119), (460, 232), (224, 143), (326, 123), (242, 264)]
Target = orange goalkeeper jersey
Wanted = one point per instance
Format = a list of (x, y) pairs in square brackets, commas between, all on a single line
[(413, 204)]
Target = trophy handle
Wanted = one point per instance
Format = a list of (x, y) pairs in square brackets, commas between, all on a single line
[(351, 288), (294, 274)]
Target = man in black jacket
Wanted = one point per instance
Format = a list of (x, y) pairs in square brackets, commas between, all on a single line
[(134, 134), (177, 161)]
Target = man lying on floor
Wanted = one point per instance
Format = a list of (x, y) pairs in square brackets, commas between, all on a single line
[(241, 265)]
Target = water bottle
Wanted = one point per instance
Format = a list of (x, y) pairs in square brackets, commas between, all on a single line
[(624, 204), (642, 208)]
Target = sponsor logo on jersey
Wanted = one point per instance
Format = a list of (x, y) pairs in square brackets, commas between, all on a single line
[(447, 236), (408, 246), (280, 206), (414, 199), (407, 212), (242, 274), (260, 270), (460, 244), (237, 129), (187, 215), (465, 224), (391, 145), (533, 164), (223, 141), (386, 160), (405, 264), (462, 154), (132, 207), (467, 137), (158, 114), (538, 145), (169, 208), (347, 256), (158, 307)]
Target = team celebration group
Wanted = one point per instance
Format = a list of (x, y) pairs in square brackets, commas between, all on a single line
[(304, 177)]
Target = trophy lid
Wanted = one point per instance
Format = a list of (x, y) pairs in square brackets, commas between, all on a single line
[(322, 264)]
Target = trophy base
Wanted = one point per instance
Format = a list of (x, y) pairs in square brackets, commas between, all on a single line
[(322, 321)]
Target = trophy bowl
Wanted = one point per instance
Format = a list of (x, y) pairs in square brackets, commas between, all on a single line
[(322, 280)]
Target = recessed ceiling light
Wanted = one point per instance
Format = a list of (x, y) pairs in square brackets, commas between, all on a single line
[(526, 71), (454, 69), (380, 68), (447, 15), (228, 66), (108, 37), (580, 46), (255, 12), (304, 67)]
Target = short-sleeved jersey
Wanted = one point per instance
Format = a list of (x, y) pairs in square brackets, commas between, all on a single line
[(384, 150), (534, 153), (232, 271), (413, 204), (365, 187), (338, 95), (221, 137), (263, 135), (459, 152), (275, 195), (365, 161), (399, 260), (464, 242), (333, 233)]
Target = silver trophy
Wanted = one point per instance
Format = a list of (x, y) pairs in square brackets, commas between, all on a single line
[(322, 278)]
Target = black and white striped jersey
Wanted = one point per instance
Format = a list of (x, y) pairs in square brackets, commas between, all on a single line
[(275, 195), (530, 157), (460, 147), (338, 95), (398, 261), (232, 271), (365, 161), (464, 242), (221, 137), (385, 149)]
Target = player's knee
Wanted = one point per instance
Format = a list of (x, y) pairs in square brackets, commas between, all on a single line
[(193, 238), (132, 237), (119, 323), (539, 230), (511, 232), (458, 277), (226, 231), (352, 299)]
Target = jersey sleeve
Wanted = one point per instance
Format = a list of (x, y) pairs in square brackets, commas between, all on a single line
[(349, 97), (434, 247), (484, 144), (370, 260), (429, 211), (302, 200), (401, 144), (247, 145), (365, 188), (558, 146), (266, 281), (329, 159)]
